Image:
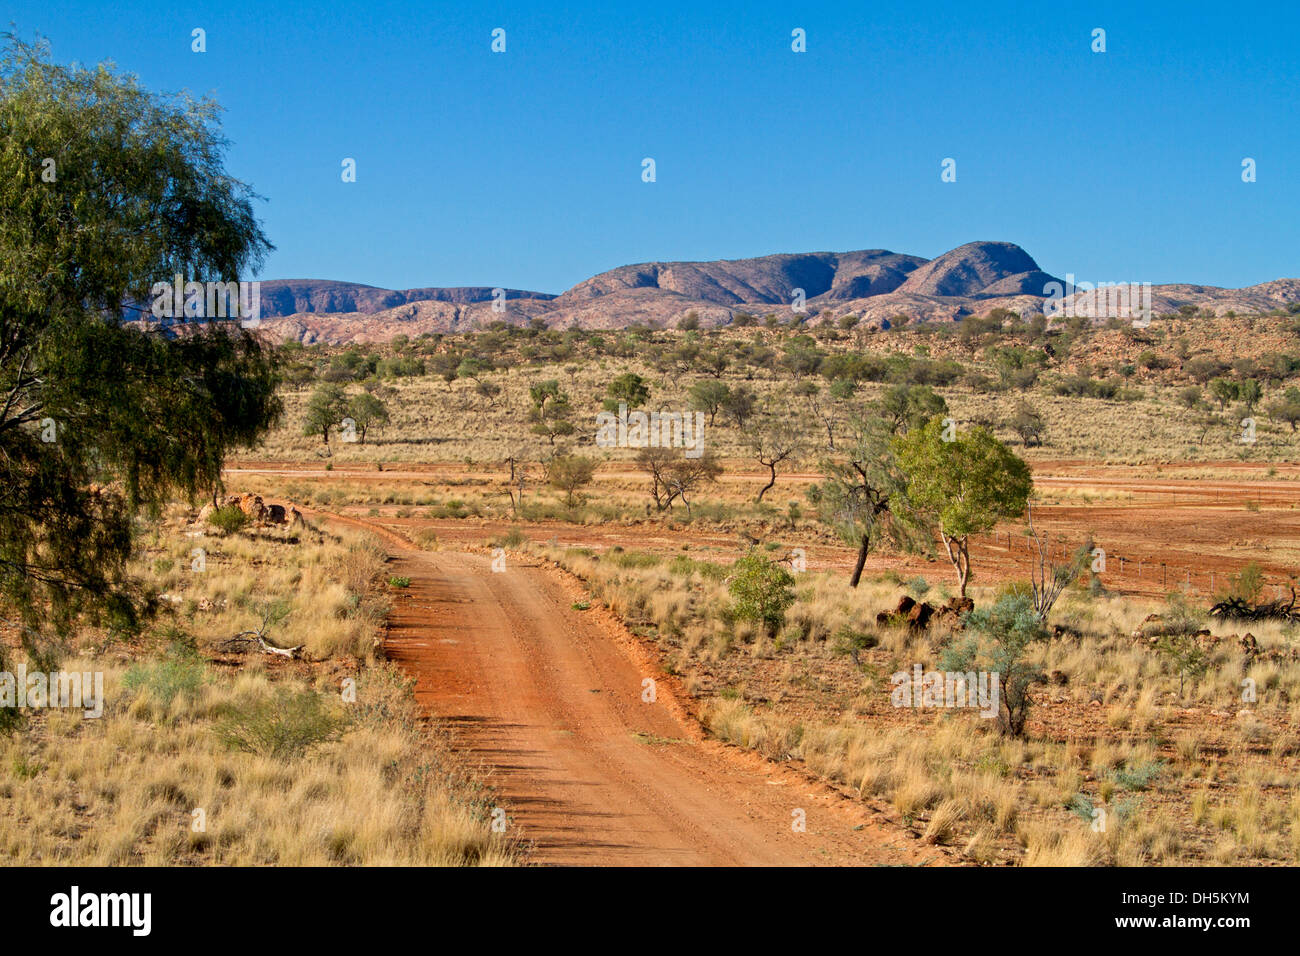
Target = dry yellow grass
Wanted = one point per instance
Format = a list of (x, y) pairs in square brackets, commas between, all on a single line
[(157, 780), (1139, 760)]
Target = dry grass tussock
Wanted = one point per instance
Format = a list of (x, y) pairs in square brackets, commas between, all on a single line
[(204, 758)]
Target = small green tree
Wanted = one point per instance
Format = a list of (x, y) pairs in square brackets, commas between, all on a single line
[(709, 396), (543, 392), (367, 411), (1027, 422), (569, 473), (628, 388), (964, 482), (1184, 652), (762, 591), (1190, 396), (1287, 409), (1224, 390), (739, 404), (327, 407), (551, 411), (908, 406), (473, 367), (996, 642), (1245, 586), (1250, 392)]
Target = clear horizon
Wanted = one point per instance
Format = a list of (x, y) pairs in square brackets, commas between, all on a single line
[(523, 169)]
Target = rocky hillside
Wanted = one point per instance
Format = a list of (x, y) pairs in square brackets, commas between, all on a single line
[(875, 284), (768, 280), (281, 297)]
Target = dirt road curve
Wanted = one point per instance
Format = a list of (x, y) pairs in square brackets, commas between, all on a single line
[(549, 699)]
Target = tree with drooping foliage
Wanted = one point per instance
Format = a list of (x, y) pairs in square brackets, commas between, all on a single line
[(108, 190)]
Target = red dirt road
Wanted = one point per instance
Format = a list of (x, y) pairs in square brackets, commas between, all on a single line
[(548, 699)]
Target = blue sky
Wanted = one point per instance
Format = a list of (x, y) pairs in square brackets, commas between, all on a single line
[(523, 169)]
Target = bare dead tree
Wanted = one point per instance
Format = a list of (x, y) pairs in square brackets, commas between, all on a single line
[(674, 476), (773, 442), (1047, 577), (515, 484)]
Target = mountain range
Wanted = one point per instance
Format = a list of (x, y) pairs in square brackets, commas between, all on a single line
[(875, 284)]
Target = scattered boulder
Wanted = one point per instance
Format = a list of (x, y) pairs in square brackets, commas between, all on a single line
[(960, 605), (902, 610), (251, 505), (257, 510), (918, 618)]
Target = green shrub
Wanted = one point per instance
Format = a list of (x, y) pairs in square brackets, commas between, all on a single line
[(228, 519), (851, 641), (1136, 778), (283, 725), (762, 591), (632, 560), (514, 539), (180, 672), (1179, 617), (997, 640), (399, 582), (1081, 807), (1246, 585)]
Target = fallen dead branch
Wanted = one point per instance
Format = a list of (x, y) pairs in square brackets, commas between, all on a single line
[(244, 639), (1237, 609)]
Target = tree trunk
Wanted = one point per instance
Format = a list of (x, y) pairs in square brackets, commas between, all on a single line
[(963, 568), (959, 555), (861, 562), (768, 487)]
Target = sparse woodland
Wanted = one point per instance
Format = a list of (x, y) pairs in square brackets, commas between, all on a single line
[(1060, 504)]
